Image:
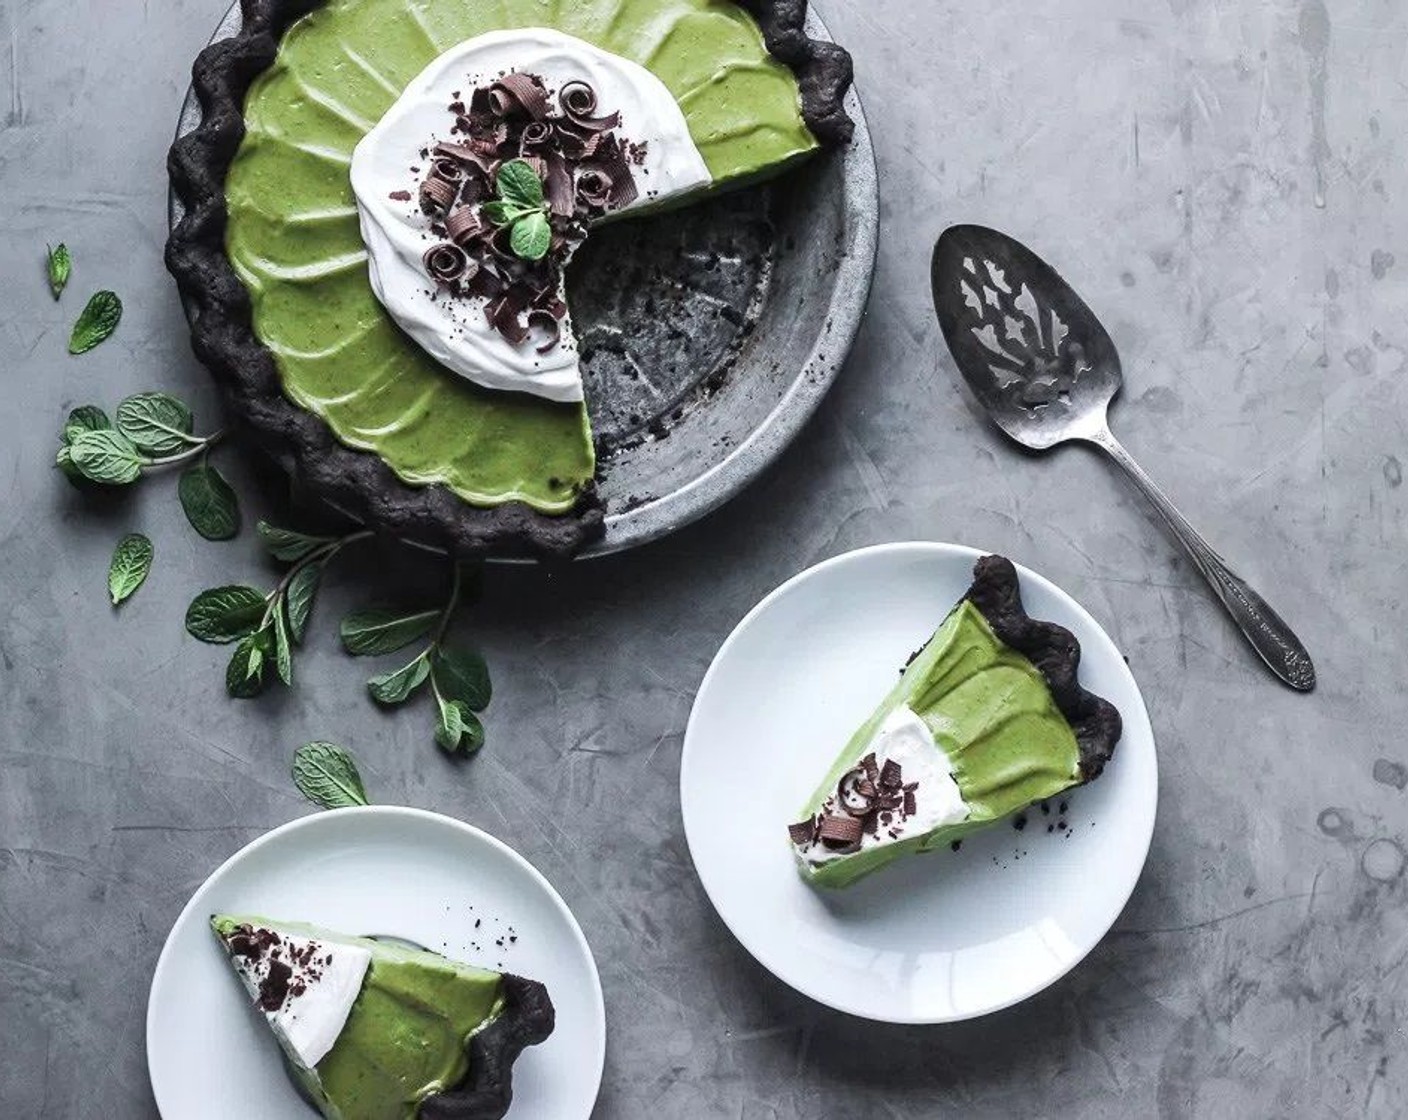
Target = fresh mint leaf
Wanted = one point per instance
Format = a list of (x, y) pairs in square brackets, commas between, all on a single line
[(458, 727), (531, 236), (158, 423), (463, 675), (518, 184), (105, 456), (225, 614), (60, 267), (210, 504), (64, 461), (85, 418), (327, 776), (288, 544), (96, 322), (372, 632), (501, 213), (397, 687), (283, 649), (298, 599), (131, 561), (245, 676)]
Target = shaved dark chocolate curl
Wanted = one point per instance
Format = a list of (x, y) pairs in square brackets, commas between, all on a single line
[(548, 324), (594, 188), (803, 832), (578, 99), (839, 831), (890, 778), (447, 263), (437, 194), (557, 181), (505, 314), (518, 93), (463, 225)]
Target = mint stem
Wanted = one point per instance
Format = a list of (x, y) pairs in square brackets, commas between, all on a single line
[(199, 444)]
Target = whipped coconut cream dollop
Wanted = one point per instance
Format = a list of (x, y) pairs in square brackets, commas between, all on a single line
[(456, 331), (305, 987), (902, 788)]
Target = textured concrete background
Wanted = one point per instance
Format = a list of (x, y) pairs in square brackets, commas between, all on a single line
[(1224, 181)]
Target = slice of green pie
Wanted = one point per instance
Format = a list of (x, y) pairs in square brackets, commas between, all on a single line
[(373, 1030), (272, 260), (987, 718)]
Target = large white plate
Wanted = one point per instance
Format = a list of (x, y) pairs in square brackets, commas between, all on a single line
[(933, 938), (381, 870)]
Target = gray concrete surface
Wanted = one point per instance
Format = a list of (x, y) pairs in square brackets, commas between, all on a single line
[(1226, 182)]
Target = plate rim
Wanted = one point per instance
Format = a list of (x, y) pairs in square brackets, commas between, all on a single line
[(829, 351), (313, 821), (859, 556)]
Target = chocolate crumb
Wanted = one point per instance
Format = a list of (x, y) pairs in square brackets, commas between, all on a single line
[(955, 845), (1019, 822)]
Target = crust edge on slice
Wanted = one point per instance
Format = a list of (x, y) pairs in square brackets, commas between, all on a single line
[(1055, 652), (486, 1092), (358, 483)]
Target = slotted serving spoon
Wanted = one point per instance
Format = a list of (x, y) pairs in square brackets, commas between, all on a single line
[(1045, 370)]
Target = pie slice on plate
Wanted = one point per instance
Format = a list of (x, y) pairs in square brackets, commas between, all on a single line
[(377, 280), (987, 718), (373, 1029)]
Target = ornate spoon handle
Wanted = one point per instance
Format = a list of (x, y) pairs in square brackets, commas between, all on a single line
[(1264, 628)]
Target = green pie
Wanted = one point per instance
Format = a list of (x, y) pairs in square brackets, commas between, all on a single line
[(987, 718), (273, 262), (374, 1030)]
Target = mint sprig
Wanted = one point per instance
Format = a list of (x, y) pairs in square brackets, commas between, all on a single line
[(266, 625), (522, 207), (458, 678)]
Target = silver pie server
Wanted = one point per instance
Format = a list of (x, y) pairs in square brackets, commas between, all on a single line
[(1045, 370)]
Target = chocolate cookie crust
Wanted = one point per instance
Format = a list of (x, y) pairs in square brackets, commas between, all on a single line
[(1055, 652), (487, 1090), (359, 483)]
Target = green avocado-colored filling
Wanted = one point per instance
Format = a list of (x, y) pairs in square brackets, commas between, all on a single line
[(294, 238), (406, 1036), (991, 712)]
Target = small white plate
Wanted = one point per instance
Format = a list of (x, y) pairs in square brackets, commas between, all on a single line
[(933, 938), (380, 870)]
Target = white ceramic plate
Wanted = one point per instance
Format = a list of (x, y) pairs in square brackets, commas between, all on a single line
[(380, 870), (933, 938)]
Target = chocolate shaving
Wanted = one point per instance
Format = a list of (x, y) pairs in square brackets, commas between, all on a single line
[(437, 194), (518, 93), (463, 225), (594, 187), (803, 832), (446, 263), (577, 98), (550, 325), (451, 170), (909, 803), (839, 832), (505, 314), (871, 768), (849, 796), (890, 778), (400, 196), (557, 183), (535, 135)]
